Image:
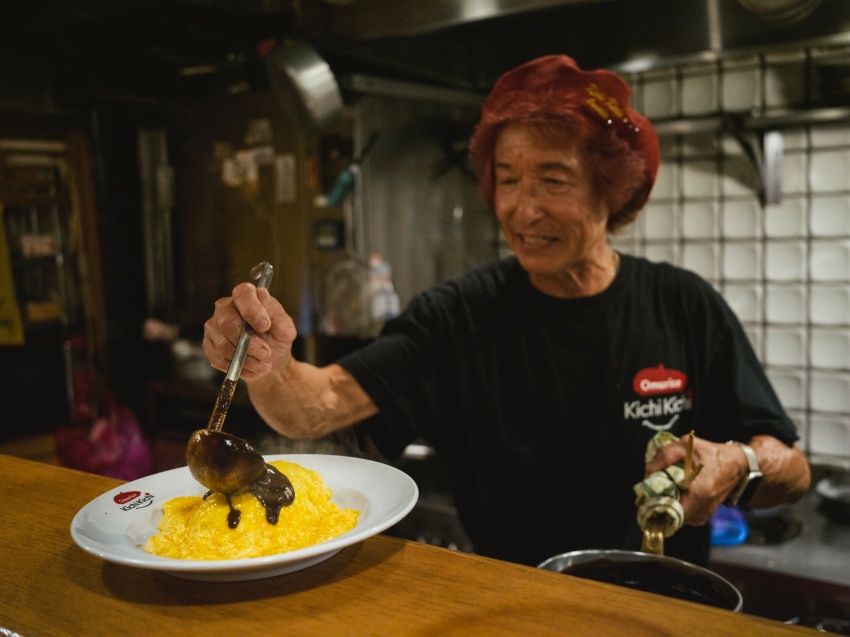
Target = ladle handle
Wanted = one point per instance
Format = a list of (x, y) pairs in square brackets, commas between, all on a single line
[(262, 272)]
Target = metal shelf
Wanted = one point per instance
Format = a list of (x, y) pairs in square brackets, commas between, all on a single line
[(754, 122), (759, 136)]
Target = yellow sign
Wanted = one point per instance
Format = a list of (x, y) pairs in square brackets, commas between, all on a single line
[(11, 328)]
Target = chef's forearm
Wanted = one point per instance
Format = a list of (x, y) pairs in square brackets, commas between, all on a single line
[(304, 401)]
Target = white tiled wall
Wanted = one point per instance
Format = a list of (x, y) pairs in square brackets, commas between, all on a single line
[(784, 268)]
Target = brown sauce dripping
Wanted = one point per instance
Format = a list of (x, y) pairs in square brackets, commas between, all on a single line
[(274, 491), (653, 536)]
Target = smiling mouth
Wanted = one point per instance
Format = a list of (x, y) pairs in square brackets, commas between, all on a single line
[(535, 239)]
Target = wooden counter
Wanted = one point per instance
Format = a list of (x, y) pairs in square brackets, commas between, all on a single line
[(382, 586)]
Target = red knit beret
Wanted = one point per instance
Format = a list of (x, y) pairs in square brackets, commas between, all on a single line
[(601, 96)]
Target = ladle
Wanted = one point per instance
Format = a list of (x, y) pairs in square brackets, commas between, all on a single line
[(218, 460)]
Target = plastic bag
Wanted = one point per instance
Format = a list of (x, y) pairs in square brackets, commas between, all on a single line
[(113, 445)]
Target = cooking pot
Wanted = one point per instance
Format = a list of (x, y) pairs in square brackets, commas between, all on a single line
[(650, 573), (304, 84)]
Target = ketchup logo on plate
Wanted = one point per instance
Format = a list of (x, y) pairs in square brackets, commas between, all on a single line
[(133, 500), (125, 496), (651, 381)]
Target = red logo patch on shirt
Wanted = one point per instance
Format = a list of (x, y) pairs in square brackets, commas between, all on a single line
[(651, 381)]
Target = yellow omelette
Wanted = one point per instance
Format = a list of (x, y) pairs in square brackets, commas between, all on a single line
[(196, 529)]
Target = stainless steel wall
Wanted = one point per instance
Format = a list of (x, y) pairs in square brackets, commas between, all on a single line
[(420, 207)]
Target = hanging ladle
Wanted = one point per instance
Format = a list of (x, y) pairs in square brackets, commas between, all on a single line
[(218, 460)]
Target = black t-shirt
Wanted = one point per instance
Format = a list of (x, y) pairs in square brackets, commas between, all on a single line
[(540, 408)]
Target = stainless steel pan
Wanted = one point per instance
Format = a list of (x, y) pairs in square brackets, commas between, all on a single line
[(304, 84)]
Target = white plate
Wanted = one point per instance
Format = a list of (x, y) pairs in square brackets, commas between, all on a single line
[(115, 526)]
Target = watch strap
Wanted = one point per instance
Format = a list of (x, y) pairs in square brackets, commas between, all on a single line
[(752, 461)]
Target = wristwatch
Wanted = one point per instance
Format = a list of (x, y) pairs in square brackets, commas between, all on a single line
[(742, 493)]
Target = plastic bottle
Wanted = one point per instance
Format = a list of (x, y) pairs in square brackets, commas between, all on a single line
[(385, 301)]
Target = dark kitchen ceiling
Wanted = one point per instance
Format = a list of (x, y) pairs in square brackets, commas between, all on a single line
[(185, 49), (144, 49)]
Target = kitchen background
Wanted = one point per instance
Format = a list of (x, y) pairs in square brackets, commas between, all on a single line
[(146, 170), (152, 152)]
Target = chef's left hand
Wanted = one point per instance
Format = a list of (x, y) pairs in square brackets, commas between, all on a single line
[(719, 475)]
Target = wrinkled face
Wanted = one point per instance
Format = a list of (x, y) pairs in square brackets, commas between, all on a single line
[(545, 205)]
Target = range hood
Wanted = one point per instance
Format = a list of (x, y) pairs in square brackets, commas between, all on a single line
[(467, 44)]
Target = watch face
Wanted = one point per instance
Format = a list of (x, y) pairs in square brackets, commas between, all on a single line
[(753, 481)]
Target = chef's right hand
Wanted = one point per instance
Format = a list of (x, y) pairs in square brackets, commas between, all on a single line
[(271, 344)]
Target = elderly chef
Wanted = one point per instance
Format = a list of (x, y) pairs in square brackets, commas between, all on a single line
[(539, 379)]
